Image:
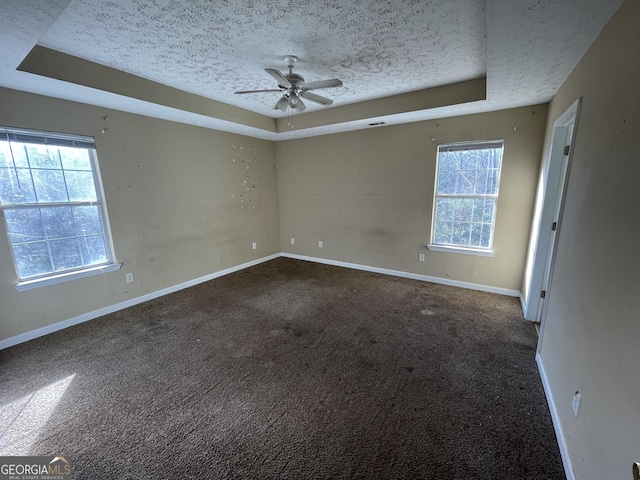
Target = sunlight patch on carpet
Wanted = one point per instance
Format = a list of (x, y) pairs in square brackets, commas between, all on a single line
[(23, 420)]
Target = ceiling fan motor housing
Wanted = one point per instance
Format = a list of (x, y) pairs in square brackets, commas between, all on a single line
[(295, 80)]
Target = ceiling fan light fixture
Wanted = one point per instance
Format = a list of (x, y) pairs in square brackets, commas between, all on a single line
[(294, 100), (282, 104)]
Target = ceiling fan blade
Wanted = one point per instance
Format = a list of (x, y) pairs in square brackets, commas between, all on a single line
[(282, 81), (241, 92), (330, 83), (316, 98), (282, 104)]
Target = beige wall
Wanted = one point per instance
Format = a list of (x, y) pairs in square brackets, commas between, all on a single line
[(368, 195), (180, 210), (176, 198), (592, 327)]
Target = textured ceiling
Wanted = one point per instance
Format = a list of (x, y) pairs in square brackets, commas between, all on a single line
[(215, 48), (525, 48)]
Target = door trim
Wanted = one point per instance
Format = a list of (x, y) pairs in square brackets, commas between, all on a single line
[(553, 179)]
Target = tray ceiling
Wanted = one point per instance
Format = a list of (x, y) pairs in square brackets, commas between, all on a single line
[(199, 52)]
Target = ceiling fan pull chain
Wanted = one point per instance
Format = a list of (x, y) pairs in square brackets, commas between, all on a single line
[(290, 117)]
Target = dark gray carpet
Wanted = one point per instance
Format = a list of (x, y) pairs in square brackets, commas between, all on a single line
[(289, 370)]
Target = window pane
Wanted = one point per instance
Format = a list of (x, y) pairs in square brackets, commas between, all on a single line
[(69, 250), (463, 209), (478, 209), (75, 158), (467, 176), (16, 186), (80, 186), (461, 233), (487, 215), (469, 159), (12, 157), (447, 161), (485, 240), (50, 186), (492, 181), (495, 158), (483, 158), (476, 234), (443, 233), (32, 259), (88, 220), (42, 156), (482, 183), (447, 182), (24, 225), (466, 182), (58, 222), (94, 249), (483, 210), (444, 209), (65, 254), (51, 236), (6, 159)]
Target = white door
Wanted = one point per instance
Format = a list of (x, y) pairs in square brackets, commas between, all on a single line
[(553, 225), (548, 222)]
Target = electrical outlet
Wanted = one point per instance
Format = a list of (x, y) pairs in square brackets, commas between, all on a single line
[(293, 240), (421, 257), (320, 244), (129, 277), (575, 405), (255, 245)]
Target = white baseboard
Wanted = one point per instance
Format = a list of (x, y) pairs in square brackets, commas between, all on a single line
[(25, 337), (413, 276), (564, 451), (523, 303)]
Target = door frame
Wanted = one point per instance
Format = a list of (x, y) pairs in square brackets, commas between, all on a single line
[(554, 177)]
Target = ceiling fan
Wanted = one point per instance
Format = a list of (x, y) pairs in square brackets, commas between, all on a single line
[(293, 88)]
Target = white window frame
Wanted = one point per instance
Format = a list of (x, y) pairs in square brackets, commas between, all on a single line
[(60, 139), (466, 249)]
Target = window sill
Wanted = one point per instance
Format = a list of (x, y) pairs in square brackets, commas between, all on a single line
[(462, 250), (66, 277)]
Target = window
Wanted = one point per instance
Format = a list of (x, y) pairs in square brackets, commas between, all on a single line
[(50, 198), (466, 195)]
